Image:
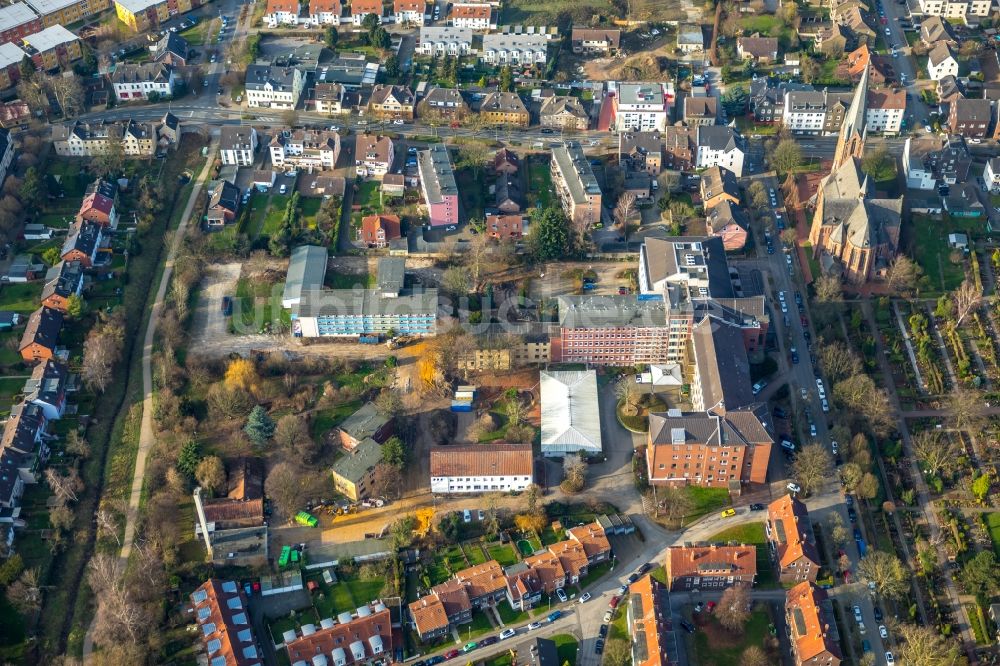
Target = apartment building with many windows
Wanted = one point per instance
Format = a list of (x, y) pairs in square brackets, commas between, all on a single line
[(438, 186), (575, 184)]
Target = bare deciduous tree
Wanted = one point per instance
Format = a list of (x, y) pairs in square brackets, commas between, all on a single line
[(623, 209), (828, 288), (967, 298), (388, 481), (812, 467), (884, 570), (733, 610), (65, 487), (25, 593), (904, 274), (935, 452), (286, 487), (574, 472), (966, 408), (754, 656)]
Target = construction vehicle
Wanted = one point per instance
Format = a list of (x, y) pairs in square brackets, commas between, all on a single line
[(399, 341)]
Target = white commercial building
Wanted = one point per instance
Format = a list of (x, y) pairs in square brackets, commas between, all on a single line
[(571, 417), (962, 9), (307, 149), (991, 174), (447, 40), (515, 49), (720, 146), (640, 107), (273, 87), (478, 469), (237, 145)]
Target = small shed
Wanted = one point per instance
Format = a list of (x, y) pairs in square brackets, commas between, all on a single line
[(958, 241)]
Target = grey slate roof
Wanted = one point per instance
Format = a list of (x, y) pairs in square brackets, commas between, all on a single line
[(722, 364), (719, 137), (63, 279), (306, 270), (356, 464)]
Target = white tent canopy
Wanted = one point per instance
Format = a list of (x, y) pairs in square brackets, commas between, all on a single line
[(571, 419)]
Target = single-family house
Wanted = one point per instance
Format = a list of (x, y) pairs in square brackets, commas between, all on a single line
[(378, 230), (373, 155), (63, 280), (83, 243), (47, 388), (38, 343)]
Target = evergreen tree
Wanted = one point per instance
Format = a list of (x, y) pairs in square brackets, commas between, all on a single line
[(189, 457), (551, 237), (260, 426)]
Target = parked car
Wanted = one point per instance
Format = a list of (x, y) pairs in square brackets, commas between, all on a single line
[(467, 516), (599, 646), (489, 640), (451, 654), (613, 604), (603, 631), (729, 513), (561, 594), (710, 607), (585, 598), (757, 507), (534, 625), (687, 626), (644, 568), (507, 633), (633, 577), (470, 646), (698, 607), (889, 659), (608, 615), (794, 487), (882, 631)]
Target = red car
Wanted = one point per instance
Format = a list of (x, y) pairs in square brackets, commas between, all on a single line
[(613, 604), (256, 586), (711, 606), (451, 654)]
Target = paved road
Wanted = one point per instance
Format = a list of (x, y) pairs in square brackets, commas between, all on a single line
[(147, 435)]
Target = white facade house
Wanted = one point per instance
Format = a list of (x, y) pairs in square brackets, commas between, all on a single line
[(411, 12), (237, 145), (324, 12), (133, 82), (446, 40), (478, 469), (963, 10), (571, 420), (690, 39), (991, 174), (640, 107), (273, 87), (476, 16), (941, 63), (805, 111), (722, 147), (282, 12), (307, 149), (885, 111), (515, 49)]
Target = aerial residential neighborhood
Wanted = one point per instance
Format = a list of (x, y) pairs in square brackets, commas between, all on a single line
[(497, 332)]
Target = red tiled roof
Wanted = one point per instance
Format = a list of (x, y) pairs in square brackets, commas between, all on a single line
[(370, 636), (429, 614), (493, 460), (366, 7), (324, 7), (227, 510), (807, 627), (711, 561), (592, 537), (647, 620), (224, 624), (288, 6), (466, 11), (791, 538)]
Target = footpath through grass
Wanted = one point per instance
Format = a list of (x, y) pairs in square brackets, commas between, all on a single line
[(67, 606)]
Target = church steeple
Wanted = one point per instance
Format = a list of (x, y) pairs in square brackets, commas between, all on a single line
[(853, 131)]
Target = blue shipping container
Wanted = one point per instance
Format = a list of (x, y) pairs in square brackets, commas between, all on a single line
[(460, 406)]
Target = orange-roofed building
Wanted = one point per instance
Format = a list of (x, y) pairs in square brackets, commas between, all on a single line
[(362, 8), (281, 12), (573, 558), (429, 617), (409, 11), (710, 567), (365, 639), (378, 230), (549, 569), (220, 609), (505, 227), (648, 615), (477, 16), (811, 626), (789, 536), (524, 587), (325, 12), (485, 584), (594, 541)]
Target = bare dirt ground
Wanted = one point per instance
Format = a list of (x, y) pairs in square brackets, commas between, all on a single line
[(209, 320)]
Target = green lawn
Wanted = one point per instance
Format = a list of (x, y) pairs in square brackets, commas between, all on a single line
[(324, 420), (504, 554), (993, 525), (929, 247), (529, 12), (751, 534), (369, 196), (9, 387), (20, 296), (348, 280), (472, 188), (275, 214), (706, 500), (539, 182), (509, 615), (763, 23), (593, 574), (475, 554), (258, 209), (566, 646), (707, 651), (309, 208)]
